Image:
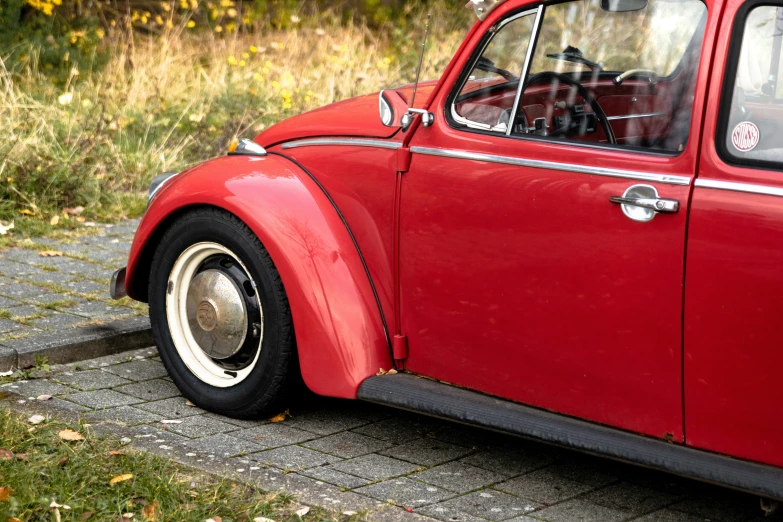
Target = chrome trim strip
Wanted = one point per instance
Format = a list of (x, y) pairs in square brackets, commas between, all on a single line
[(632, 116), (380, 144), (525, 67), (567, 167), (739, 187)]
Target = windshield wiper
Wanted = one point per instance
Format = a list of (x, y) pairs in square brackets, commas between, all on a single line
[(487, 65), (572, 54)]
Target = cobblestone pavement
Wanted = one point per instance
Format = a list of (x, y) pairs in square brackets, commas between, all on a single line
[(354, 456), (43, 293)]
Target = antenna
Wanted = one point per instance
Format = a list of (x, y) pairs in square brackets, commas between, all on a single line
[(421, 59), (427, 117)]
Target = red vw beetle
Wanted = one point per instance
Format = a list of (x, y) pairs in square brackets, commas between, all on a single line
[(575, 235)]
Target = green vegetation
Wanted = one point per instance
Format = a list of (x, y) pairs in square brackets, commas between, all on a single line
[(94, 105), (56, 471)]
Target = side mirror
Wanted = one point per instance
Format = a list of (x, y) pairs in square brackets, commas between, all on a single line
[(623, 6), (393, 108)]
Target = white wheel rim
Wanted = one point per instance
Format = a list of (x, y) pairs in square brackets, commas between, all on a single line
[(197, 361)]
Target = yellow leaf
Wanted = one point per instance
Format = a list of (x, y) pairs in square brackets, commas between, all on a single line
[(70, 435), (281, 417), (50, 253), (26, 212), (116, 453), (55, 219), (5, 493), (121, 478), (150, 511), (13, 519)]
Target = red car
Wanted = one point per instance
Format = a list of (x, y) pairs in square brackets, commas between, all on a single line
[(575, 235)]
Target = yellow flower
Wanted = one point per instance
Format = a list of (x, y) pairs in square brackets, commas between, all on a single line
[(232, 60), (191, 24), (242, 63), (253, 49), (219, 29), (159, 20)]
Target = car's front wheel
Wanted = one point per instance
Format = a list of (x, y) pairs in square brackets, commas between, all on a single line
[(220, 316)]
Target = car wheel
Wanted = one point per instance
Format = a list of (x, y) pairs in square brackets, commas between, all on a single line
[(220, 316)]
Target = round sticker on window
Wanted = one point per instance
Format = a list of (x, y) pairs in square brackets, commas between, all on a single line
[(745, 136)]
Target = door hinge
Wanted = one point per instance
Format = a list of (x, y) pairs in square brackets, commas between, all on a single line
[(400, 347), (403, 159)]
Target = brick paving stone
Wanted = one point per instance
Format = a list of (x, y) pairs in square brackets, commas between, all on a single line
[(58, 321), (174, 408), (152, 390), (222, 445), (347, 444), (294, 458), (426, 452), (338, 478), (34, 388), (242, 423), (67, 405), (510, 460), (589, 470), (492, 504), (199, 426), (395, 514), (25, 310), (129, 415), (447, 513), (6, 325), (630, 497), (139, 370), (375, 467), (666, 515), (720, 504), (50, 298), (457, 477), (57, 278), (14, 269), (154, 438), (102, 399), (405, 492), (91, 380), (400, 430), (581, 511), (6, 302), (543, 486), (274, 435), (325, 422)]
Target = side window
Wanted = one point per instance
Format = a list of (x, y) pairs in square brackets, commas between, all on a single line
[(486, 97), (751, 123), (618, 72)]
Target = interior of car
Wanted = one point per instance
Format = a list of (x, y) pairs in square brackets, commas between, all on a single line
[(617, 72)]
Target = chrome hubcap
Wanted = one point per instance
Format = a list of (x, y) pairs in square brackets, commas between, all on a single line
[(217, 314)]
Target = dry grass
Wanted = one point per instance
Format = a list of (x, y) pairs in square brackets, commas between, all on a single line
[(163, 102)]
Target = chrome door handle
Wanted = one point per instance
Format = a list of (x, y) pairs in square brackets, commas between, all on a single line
[(656, 204), (642, 203)]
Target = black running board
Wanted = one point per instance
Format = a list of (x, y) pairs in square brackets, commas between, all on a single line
[(449, 402)]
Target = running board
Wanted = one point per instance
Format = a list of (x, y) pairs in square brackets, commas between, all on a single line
[(468, 407)]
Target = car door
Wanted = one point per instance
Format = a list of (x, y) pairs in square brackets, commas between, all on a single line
[(734, 284), (519, 275)]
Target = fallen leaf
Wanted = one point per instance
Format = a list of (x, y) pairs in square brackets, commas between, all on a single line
[(9, 372), (127, 516), (121, 478), (262, 519), (302, 512), (70, 435), (36, 419), (26, 212), (188, 403), (349, 513), (87, 514), (55, 220), (5, 493), (6, 454), (280, 417), (21, 456), (5, 228), (43, 397), (391, 372), (214, 519), (75, 211), (50, 253), (116, 453), (13, 519), (63, 461), (150, 511), (381, 371)]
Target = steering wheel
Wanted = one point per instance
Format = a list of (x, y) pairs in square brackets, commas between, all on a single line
[(583, 92)]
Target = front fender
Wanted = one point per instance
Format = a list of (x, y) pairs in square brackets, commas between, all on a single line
[(339, 330)]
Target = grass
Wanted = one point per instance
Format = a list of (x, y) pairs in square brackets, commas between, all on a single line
[(38, 468), (169, 100)]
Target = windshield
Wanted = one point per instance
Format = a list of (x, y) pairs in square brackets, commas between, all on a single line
[(654, 38)]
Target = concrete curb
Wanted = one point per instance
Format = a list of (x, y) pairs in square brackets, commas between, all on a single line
[(77, 344)]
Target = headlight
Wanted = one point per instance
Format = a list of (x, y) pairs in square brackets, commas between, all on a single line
[(158, 182), (246, 147)]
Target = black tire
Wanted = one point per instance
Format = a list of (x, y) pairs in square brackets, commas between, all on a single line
[(268, 386)]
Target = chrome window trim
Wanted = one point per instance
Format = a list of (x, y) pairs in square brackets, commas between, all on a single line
[(739, 187), (525, 67), (632, 116), (380, 144), (483, 126), (567, 167)]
